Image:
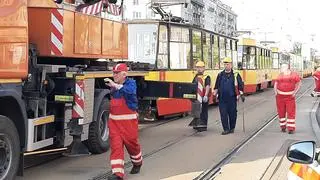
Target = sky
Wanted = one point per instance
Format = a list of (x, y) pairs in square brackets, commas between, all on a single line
[(283, 21)]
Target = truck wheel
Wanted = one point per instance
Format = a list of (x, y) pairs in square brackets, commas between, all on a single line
[(9, 149), (98, 141)]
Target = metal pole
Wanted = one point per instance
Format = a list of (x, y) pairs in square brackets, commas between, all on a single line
[(243, 125)]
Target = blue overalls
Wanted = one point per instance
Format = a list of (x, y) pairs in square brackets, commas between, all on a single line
[(227, 101)]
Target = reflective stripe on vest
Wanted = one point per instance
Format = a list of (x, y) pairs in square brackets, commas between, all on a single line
[(120, 111), (201, 86), (235, 73)]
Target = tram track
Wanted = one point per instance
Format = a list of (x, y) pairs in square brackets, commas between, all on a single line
[(39, 159), (213, 171), (167, 144), (177, 140)]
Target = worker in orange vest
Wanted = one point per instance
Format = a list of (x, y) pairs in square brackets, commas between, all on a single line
[(286, 86), (204, 91), (123, 122), (316, 76)]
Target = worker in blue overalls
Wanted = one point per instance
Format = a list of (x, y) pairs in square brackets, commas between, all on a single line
[(228, 89)]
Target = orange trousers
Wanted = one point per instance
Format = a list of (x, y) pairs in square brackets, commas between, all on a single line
[(286, 106)]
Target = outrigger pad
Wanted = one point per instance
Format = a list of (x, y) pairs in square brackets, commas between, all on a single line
[(196, 109), (77, 148), (193, 122)]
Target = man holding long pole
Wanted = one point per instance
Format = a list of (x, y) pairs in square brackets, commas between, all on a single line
[(229, 88)]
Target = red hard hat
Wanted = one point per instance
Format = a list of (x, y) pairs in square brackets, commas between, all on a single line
[(120, 67)]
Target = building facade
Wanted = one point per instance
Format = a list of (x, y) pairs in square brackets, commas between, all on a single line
[(212, 15)]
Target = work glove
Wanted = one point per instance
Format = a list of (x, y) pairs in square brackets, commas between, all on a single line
[(112, 84), (205, 99)]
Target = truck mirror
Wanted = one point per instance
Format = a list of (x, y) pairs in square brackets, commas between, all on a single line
[(302, 152)]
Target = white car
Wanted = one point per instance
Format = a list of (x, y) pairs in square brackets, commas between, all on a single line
[(305, 160)]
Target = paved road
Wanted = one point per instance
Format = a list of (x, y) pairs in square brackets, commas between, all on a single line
[(169, 149)]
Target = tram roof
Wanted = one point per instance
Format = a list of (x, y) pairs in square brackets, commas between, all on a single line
[(158, 21)]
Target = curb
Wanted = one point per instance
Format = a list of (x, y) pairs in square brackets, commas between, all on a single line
[(314, 120)]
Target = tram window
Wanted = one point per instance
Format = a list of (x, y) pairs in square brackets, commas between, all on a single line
[(162, 61), (270, 59), (228, 48), (222, 47), (235, 55), (207, 55), (144, 36), (228, 44), (196, 46), (252, 58), (275, 64), (179, 55), (258, 58), (262, 59), (179, 34), (275, 55), (179, 48), (240, 55), (215, 50), (265, 59)]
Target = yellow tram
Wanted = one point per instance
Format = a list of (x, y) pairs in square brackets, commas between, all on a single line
[(256, 65), (171, 50)]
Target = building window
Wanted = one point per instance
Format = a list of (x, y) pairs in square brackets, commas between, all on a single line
[(135, 2), (136, 15)]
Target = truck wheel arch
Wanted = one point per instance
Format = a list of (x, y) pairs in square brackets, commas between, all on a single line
[(14, 109), (98, 141), (99, 95)]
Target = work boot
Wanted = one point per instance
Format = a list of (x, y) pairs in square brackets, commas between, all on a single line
[(135, 169), (114, 177), (312, 94), (225, 132), (291, 132), (283, 129)]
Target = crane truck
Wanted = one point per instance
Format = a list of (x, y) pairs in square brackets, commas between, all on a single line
[(53, 59)]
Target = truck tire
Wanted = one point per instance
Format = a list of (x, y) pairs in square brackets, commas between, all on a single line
[(9, 149), (98, 140)]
